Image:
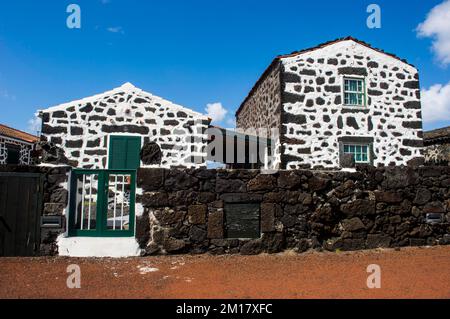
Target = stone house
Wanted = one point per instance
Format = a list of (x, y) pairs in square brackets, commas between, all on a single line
[(16, 147), (437, 146), (335, 104), (96, 132), (105, 139)]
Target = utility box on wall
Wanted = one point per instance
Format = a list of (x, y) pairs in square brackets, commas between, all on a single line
[(242, 220)]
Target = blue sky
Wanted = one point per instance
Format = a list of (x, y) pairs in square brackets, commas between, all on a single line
[(190, 52)]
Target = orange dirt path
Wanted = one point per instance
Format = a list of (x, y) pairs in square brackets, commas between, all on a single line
[(406, 273)]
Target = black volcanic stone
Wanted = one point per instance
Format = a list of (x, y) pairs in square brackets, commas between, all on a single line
[(292, 98), (412, 105), (320, 101), (413, 143), (292, 118), (412, 124), (333, 88), (47, 129), (352, 71), (351, 121), (86, 109), (320, 80), (332, 61), (75, 130), (374, 92), (291, 77), (59, 114), (308, 72), (74, 144), (125, 129), (411, 84), (151, 154)]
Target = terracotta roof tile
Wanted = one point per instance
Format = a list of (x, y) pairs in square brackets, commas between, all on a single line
[(20, 135)]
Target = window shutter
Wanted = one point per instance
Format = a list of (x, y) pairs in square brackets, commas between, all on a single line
[(124, 152), (133, 150), (117, 152)]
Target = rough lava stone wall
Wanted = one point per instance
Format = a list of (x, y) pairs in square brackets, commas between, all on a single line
[(55, 197), (81, 128), (262, 109), (263, 106), (299, 209)]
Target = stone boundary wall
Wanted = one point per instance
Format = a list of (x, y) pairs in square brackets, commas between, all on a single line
[(183, 210), (55, 197)]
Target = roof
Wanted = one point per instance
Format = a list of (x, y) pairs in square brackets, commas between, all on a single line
[(125, 88), (17, 134), (277, 59), (437, 135)]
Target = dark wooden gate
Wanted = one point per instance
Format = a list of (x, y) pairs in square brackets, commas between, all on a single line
[(20, 213)]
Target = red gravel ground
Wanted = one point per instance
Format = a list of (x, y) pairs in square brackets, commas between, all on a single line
[(405, 273)]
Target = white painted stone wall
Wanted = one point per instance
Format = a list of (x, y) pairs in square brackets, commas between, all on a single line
[(25, 150), (313, 99), (82, 128)]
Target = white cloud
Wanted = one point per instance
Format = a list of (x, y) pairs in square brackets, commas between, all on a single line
[(436, 103), (437, 26), (216, 111), (7, 96), (115, 30), (34, 125)]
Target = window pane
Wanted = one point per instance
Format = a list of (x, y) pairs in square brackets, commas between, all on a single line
[(360, 99), (119, 202), (13, 155), (86, 202), (353, 92), (359, 152)]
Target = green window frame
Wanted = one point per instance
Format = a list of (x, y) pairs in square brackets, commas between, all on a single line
[(102, 189), (354, 92), (361, 152), (124, 152)]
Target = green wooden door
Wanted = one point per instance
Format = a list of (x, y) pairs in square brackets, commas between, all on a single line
[(124, 152), (102, 203)]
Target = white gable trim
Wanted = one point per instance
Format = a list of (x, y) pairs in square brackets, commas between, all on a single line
[(335, 47), (127, 88)]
